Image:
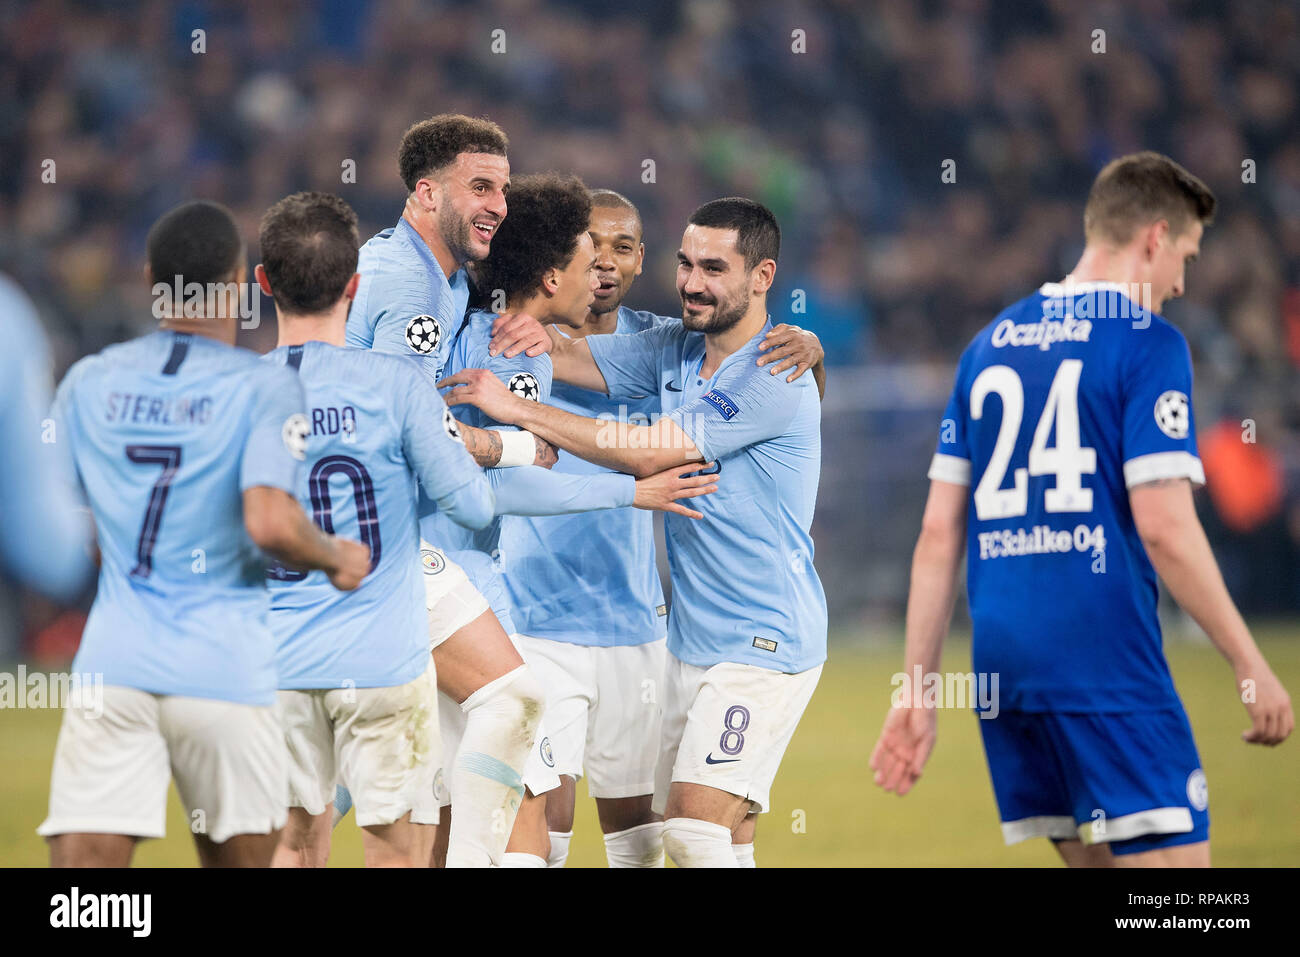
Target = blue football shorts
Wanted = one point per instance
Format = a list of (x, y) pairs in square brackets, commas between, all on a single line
[(1132, 780)]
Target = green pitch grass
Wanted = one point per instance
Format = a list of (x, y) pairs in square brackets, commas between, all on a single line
[(826, 812)]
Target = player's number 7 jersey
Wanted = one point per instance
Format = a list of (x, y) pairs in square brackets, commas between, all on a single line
[(1068, 399)]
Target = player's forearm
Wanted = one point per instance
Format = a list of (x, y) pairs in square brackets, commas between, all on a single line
[(819, 376), (280, 528), (537, 491), (640, 450), (1182, 558), (935, 566), (483, 445)]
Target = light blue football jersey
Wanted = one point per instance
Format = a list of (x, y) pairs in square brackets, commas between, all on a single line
[(44, 537), (405, 304), (527, 490), (167, 432), (589, 578), (1063, 403), (378, 433), (744, 586)]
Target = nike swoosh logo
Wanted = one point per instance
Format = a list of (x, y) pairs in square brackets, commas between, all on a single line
[(672, 387), (711, 759)]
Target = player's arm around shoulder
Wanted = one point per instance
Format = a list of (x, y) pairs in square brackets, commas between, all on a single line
[(1166, 520), (790, 347)]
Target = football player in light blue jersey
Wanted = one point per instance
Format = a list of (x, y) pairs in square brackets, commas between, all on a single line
[(411, 301), (747, 630), (1086, 739), (357, 702), (188, 451), (43, 504), (542, 263), (414, 291), (586, 592)]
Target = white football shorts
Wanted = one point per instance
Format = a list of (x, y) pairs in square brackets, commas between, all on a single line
[(602, 711), (727, 727), (111, 769), (382, 744), (450, 597)]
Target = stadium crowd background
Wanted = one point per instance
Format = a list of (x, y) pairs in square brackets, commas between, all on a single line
[(845, 142)]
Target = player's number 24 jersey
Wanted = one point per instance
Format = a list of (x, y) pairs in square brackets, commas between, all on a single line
[(1068, 399)]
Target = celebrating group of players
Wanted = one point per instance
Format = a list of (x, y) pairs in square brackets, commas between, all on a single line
[(516, 545), (298, 692)]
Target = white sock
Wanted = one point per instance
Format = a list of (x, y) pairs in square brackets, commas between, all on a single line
[(640, 846), (744, 854), (501, 721), (516, 859), (559, 848), (693, 843)]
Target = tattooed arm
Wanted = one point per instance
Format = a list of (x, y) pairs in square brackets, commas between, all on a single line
[(484, 447)]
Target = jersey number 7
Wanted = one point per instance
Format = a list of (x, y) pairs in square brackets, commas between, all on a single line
[(169, 457), (1068, 461)]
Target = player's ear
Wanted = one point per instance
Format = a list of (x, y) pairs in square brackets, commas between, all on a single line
[(551, 281), (427, 195), (640, 258), (762, 276), (1156, 236), (259, 273), (148, 275), (350, 290)]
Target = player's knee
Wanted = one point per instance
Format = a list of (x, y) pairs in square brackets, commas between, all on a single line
[(640, 846), (693, 843), (516, 696)]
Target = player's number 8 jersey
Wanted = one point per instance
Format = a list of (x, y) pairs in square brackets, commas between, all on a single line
[(1068, 399)]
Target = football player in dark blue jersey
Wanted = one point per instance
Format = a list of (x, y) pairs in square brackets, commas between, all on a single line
[(1065, 466)]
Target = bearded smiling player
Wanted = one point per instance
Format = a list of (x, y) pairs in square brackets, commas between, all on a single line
[(586, 590), (411, 300), (747, 630)]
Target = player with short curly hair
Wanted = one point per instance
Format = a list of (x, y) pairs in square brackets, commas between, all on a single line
[(549, 215), (411, 301)]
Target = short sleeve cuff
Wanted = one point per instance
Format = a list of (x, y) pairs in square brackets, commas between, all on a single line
[(1163, 465), (950, 468), (597, 345), (695, 435)]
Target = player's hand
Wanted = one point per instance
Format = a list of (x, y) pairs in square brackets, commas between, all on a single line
[(1267, 703), (904, 746), (660, 492), (790, 347), (480, 388), (352, 564), (516, 332), (547, 454)]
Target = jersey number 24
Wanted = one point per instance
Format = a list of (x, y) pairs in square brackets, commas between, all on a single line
[(1068, 461)]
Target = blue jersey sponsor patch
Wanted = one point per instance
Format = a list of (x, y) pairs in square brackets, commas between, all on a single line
[(723, 403)]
